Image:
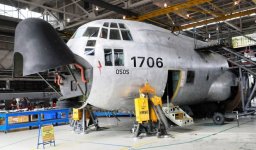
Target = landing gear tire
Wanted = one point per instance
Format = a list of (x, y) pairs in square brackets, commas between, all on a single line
[(218, 118)]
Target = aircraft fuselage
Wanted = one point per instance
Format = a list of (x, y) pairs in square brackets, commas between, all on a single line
[(119, 65)]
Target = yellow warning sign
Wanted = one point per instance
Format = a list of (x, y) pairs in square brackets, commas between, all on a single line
[(48, 133)]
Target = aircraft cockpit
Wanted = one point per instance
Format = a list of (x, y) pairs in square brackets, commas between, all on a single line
[(107, 30)]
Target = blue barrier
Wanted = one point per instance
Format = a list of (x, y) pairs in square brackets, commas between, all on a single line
[(111, 114), (52, 116)]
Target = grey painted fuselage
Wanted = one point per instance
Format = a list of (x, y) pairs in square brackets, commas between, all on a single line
[(114, 91)]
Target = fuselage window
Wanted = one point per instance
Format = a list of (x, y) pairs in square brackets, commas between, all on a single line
[(91, 43), (89, 51), (119, 57), (122, 26), (190, 77), (113, 25), (104, 33), (106, 24), (108, 57), (114, 34), (126, 35), (91, 32)]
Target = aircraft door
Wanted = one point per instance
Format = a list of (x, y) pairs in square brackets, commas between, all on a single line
[(172, 85)]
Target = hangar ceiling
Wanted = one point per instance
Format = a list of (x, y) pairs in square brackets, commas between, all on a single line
[(67, 15)]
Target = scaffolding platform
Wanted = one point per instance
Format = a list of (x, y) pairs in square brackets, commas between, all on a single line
[(28, 119)]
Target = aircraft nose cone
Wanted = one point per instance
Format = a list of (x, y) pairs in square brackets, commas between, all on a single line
[(38, 47)]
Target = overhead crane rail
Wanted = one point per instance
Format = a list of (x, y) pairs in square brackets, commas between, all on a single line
[(217, 19), (169, 9), (189, 4)]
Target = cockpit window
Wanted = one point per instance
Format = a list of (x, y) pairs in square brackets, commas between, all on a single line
[(108, 57), (113, 25), (119, 57), (126, 35), (106, 24), (91, 43), (116, 31), (114, 34), (122, 26), (91, 32), (104, 33), (89, 51)]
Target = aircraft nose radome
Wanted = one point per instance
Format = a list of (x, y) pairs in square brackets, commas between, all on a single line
[(38, 47)]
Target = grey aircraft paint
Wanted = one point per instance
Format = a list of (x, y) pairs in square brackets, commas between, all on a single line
[(120, 58), (115, 87)]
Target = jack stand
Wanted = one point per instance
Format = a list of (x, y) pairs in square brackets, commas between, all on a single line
[(150, 128), (77, 127), (93, 118), (82, 121), (162, 122), (149, 114), (147, 127)]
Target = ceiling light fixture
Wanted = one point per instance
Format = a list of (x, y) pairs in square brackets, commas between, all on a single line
[(165, 5), (236, 2)]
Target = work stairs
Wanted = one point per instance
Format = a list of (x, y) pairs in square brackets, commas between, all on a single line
[(237, 59), (245, 66), (176, 115)]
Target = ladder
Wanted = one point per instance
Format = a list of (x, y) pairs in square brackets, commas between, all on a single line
[(176, 115), (246, 67)]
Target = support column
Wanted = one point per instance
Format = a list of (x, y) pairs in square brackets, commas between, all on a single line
[(242, 87), (83, 120)]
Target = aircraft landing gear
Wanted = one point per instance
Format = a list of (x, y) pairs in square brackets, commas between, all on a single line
[(218, 118)]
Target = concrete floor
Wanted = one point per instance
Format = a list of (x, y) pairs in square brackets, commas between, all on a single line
[(202, 135)]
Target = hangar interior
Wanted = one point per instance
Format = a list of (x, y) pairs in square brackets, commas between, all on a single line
[(227, 29)]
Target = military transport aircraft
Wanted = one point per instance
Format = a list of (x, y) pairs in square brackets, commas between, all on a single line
[(112, 58)]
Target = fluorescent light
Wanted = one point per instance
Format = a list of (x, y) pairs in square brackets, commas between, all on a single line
[(165, 5)]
